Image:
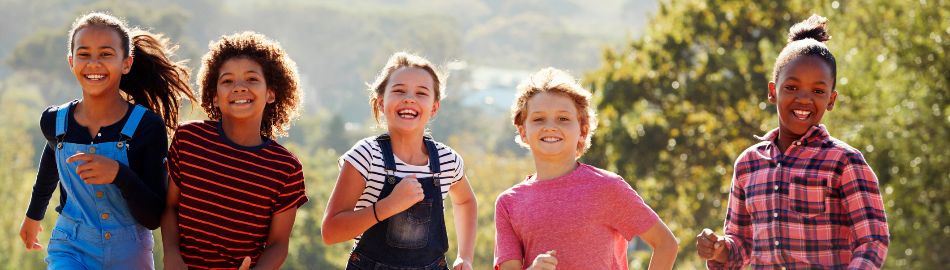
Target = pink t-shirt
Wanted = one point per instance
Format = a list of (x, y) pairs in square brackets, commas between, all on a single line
[(587, 216)]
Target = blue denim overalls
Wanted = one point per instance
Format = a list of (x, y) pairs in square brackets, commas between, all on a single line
[(96, 230), (414, 239)]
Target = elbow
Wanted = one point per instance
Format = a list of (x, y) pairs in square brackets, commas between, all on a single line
[(329, 235)]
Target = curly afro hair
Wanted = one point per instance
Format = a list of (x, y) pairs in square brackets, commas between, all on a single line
[(280, 75)]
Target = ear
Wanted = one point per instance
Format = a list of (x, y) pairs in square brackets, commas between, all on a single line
[(271, 97), (772, 96), (214, 101), (127, 64), (69, 60), (831, 102), (522, 134), (435, 108)]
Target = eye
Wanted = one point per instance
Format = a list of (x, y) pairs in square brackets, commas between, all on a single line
[(400, 91), (105, 54), (791, 88), (83, 54), (253, 79), (819, 91), (421, 93), (537, 119), (226, 81), (563, 118)]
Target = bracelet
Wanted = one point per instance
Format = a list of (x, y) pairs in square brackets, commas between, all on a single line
[(374, 213)]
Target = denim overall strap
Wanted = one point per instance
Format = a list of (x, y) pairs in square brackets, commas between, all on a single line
[(133, 121), (413, 239), (96, 229)]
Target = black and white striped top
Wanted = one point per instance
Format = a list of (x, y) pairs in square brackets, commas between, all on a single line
[(367, 158)]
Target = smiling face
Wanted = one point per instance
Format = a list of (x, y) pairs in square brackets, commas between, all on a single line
[(551, 127), (242, 92), (409, 100), (802, 94), (98, 61)]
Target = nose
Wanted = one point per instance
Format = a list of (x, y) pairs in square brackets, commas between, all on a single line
[(803, 97), (239, 86), (409, 100)]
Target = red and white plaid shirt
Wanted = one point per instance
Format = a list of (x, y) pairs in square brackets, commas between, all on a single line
[(817, 205)]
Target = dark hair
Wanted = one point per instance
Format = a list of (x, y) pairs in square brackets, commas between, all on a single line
[(280, 75), (807, 38), (396, 61), (154, 81)]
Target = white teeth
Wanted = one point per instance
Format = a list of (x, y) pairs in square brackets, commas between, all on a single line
[(407, 114), (241, 101), (95, 76), (801, 114), (550, 139)]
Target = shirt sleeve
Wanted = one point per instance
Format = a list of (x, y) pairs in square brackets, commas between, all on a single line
[(738, 224), (293, 194), (142, 182), (630, 214), (507, 243), (172, 161), (360, 157), (862, 200), (47, 177), (459, 170)]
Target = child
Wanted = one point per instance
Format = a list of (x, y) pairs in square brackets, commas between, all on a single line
[(106, 149), (234, 191), (569, 215), (390, 189), (800, 198)]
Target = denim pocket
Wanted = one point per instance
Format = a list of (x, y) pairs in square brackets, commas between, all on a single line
[(410, 229), (807, 195)]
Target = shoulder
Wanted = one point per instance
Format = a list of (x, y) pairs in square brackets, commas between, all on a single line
[(151, 123), (283, 156), (48, 121), (601, 179), (843, 152), (364, 148), (196, 128), (446, 151), (753, 152)]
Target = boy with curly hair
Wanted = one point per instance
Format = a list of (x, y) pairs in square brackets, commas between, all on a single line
[(234, 190)]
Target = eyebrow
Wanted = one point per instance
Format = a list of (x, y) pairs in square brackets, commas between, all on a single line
[(797, 80), (229, 73), (100, 47), (402, 84)]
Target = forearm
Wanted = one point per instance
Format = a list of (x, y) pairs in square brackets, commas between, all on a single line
[(273, 256), (465, 226), (347, 225), (46, 179), (170, 232), (145, 202), (664, 254)]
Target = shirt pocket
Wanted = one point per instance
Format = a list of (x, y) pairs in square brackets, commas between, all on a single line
[(807, 195)]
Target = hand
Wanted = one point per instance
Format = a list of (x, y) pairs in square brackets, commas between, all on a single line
[(96, 170), (174, 262), (28, 231), (246, 264), (461, 264), (407, 193), (546, 261), (710, 246)]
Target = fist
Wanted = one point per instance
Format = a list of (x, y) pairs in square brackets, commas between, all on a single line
[(710, 246), (407, 193), (546, 261)]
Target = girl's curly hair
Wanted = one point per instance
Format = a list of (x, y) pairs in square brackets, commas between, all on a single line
[(280, 75)]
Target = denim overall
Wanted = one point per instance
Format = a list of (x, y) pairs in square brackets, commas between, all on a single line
[(96, 230), (414, 239)]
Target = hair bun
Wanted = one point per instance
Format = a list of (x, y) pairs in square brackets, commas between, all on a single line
[(815, 27)]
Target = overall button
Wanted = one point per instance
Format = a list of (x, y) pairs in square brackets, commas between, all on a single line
[(108, 235), (92, 150), (120, 145), (99, 194), (105, 215)]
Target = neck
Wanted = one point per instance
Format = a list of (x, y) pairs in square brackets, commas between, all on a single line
[(785, 139), (553, 167), (97, 111), (409, 147), (243, 132)]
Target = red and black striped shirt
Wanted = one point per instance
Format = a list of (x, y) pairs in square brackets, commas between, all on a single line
[(229, 193)]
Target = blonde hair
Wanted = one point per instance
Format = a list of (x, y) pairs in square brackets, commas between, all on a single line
[(552, 80), (401, 60)]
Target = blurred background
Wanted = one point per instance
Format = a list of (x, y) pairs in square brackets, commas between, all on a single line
[(680, 89)]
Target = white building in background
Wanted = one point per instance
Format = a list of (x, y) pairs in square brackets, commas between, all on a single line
[(487, 87)]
